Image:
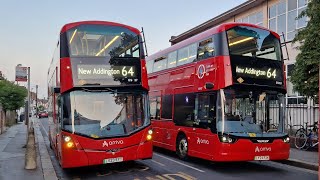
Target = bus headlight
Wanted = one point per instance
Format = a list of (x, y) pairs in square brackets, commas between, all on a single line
[(286, 140), (68, 142), (67, 138), (227, 139), (149, 137), (150, 131)]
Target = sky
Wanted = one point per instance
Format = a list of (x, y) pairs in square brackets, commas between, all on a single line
[(30, 29)]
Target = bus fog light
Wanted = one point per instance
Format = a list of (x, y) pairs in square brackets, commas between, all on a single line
[(70, 144), (67, 138), (150, 131), (149, 137)]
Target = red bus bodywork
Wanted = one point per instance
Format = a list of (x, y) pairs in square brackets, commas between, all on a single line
[(87, 151), (203, 143)]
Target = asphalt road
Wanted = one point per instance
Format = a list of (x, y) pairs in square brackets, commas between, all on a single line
[(166, 166)]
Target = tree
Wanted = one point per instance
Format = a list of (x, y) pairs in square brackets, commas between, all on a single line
[(305, 76), (12, 96)]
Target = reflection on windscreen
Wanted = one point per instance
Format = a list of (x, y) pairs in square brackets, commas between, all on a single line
[(104, 114), (253, 42), (251, 112), (98, 40)]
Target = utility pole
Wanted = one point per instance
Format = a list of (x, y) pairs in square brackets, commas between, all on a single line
[(29, 96), (36, 99)]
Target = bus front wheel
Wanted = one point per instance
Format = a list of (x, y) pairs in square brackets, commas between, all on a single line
[(182, 147)]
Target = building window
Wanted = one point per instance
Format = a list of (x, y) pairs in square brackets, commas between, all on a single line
[(255, 18), (297, 100), (282, 17), (290, 68)]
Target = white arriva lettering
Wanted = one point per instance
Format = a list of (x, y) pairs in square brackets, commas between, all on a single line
[(202, 141), (262, 149), (110, 143)]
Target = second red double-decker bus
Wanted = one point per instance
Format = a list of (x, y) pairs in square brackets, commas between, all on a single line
[(219, 95), (98, 95)]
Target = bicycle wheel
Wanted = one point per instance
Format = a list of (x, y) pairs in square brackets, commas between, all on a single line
[(300, 139)]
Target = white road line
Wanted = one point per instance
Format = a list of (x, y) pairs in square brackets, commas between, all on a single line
[(158, 162), (179, 163), (43, 128)]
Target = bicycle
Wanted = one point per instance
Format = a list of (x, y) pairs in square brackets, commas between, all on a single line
[(307, 138)]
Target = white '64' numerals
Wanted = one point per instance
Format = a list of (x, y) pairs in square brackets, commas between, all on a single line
[(125, 72), (269, 74)]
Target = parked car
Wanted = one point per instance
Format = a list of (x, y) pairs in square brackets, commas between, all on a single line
[(43, 114)]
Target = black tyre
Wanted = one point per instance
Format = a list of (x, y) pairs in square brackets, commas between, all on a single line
[(182, 147), (300, 139)]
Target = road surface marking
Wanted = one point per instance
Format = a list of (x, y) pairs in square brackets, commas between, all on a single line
[(158, 162), (191, 167), (187, 175), (44, 129)]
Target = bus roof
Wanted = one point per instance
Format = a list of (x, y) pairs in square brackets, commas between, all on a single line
[(107, 23), (204, 34)]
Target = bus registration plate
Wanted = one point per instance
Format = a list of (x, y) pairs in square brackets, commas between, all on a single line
[(262, 158), (112, 160)]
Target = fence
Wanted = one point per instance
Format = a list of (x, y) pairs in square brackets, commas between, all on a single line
[(296, 115)]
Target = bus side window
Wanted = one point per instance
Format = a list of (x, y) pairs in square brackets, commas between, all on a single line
[(155, 107), (184, 106), (206, 49)]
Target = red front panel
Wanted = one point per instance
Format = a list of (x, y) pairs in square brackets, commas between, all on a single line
[(202, 143), (87, 151)]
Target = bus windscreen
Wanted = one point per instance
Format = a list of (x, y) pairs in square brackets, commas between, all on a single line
[(253, 42), (100, 40), (104, 114)]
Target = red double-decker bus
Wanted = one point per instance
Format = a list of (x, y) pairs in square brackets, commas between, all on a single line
[(219, 95), (98, 95)]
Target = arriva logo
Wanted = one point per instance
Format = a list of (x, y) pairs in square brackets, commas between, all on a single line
[(110, 143), (202, 141), (262, 149)]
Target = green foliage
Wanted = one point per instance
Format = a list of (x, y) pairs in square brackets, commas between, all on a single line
[(12, 96), (305, 76), (40, 108)]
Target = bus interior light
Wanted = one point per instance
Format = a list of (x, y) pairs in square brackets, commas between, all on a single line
[(106, 46), (73, 34), (241, 41)]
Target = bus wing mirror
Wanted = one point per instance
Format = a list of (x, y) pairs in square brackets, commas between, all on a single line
[(209, 85), (56, 90)]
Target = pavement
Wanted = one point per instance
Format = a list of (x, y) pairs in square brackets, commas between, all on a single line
[(12, 156)]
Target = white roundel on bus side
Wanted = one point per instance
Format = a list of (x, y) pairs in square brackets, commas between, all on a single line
[(201, 71)]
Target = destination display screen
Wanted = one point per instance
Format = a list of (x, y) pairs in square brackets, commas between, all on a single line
[(259, 71), (106, 72), (86, 71)]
